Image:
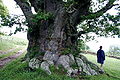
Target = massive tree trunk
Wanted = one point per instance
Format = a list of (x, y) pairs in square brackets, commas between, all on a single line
[(57, 33), (54, 34)]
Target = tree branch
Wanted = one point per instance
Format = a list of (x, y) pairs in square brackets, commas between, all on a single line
[(45, 5), (26, 8), (78, 34), (37, 4), (99, 13), (80, 9)]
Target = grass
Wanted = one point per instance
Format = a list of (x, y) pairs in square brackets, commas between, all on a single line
[(111, 66), (17, 70), (8, 42), (11, 43)]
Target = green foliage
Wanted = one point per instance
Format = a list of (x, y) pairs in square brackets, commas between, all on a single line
[(70, 50), (107, 25), (3, 9), (70, 4), (34, 52), (18, 21), (38, 19), (82, 45), (18, 70), (1, 34), (66, 51), (12, 20), (5, 21), (42, 16), (18, 29), (90, 16)]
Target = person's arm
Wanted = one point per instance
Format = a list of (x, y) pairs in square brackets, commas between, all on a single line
[(103, 55)]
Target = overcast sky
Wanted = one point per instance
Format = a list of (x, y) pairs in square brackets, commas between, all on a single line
[(11, 5), (105, 42)]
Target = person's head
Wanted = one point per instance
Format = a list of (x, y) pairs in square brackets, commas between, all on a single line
[(100, 47)]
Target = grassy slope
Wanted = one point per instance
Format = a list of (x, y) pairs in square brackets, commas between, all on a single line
[(18, 70), (111, 66), (8, 42)]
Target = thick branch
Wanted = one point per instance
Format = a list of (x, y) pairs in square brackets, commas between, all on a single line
[(81, 9), (81, 32), (26, 8), (99, 13), (45, 5), (37, 4), (78, 34)]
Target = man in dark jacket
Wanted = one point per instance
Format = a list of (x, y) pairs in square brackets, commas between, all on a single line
[(100, 56)]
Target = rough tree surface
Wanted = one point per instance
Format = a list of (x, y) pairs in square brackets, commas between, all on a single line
[(53, 31)]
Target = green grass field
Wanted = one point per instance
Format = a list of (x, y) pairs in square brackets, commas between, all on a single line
[(18, 70), (8, 42), (11, 45)]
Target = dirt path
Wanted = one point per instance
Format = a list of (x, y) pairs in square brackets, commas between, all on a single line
[(4, 61)]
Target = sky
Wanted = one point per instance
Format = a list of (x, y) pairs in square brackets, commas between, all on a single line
[(94, 46), (105, 42), (11, 5)]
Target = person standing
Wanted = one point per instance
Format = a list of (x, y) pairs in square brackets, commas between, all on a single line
[(100, 57)]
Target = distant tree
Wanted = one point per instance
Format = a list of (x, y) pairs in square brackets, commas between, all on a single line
[(3, 10), (3, 13), (114, 50)]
